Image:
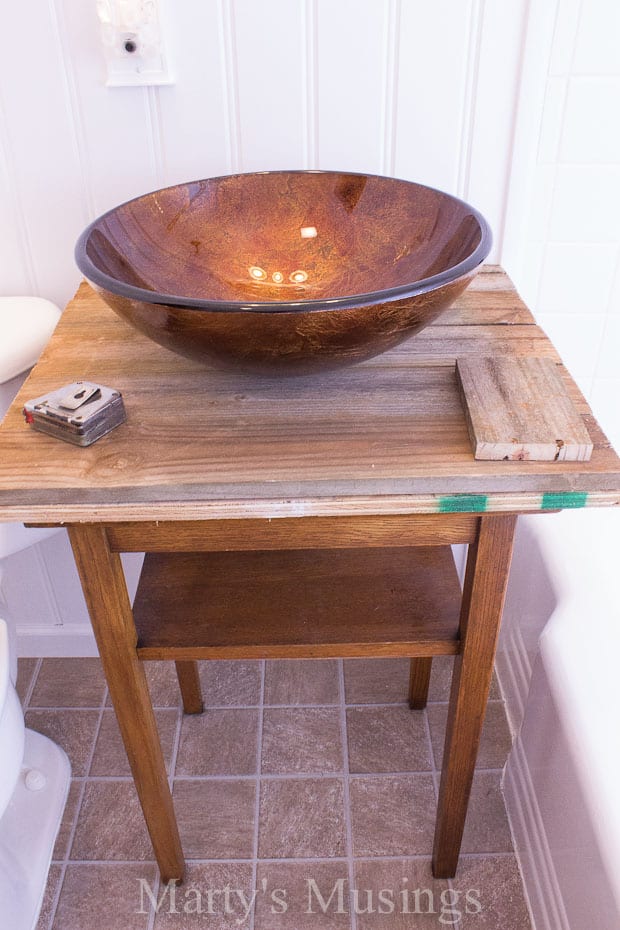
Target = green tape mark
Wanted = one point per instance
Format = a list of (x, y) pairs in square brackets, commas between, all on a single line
[(560, 500), (463, 503)]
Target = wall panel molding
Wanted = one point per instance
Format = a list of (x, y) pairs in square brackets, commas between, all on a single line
[(389, 117), (470, 82), (156, 144), (57, 16), (311, 110), (19, 275), (231, 83)]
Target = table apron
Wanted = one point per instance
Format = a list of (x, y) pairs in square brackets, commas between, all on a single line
[(341, 532)]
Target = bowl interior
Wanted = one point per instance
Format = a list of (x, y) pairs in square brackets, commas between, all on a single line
[(281, 237)]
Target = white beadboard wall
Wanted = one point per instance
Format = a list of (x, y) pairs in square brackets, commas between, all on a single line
[(423, 90), (564, 224)]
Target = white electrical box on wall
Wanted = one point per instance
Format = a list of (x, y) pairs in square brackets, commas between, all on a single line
[(133, 43)]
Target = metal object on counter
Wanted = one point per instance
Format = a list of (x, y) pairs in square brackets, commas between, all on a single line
[(80, 413)]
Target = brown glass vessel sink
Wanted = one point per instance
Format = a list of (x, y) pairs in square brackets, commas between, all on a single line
[(284, 271)]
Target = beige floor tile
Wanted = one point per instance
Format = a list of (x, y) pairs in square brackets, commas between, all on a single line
[(74, 730), (392, 815), (387, 739), (202, 902), (25, 671), (376, 681), (69, 683), (486, 824), (495, 741), (48, 904), (226, 682), (496, 894), (219, 742), (400, 894), (302, 681), (107, 896), (301, 817), (110, 823), (110, 758), (441, 680), (69, 816), (163, 684), (222, 683), (302, 896), (298, 740), (216, 818)]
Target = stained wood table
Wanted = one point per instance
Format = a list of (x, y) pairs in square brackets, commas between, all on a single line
[(289, 518)]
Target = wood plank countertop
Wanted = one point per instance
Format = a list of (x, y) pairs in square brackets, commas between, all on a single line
[(387, 436)]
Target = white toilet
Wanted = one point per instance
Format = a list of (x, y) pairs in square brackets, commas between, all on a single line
[(34, 771)]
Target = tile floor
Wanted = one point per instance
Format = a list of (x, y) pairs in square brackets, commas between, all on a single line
[(310, 783)]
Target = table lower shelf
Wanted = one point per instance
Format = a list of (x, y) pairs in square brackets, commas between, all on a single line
[(298, 604)]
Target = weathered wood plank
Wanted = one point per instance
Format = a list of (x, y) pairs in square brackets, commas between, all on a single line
[(518, 409), (389, 435)]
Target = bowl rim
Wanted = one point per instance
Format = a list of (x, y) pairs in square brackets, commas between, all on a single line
[(119, 288)]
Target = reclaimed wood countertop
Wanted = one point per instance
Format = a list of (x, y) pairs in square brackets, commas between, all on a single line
[(387, 436)]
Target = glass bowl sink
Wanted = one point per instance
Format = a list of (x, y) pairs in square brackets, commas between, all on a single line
[(284, 271)]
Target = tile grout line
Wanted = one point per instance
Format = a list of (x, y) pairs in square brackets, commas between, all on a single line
[(157, 707), (259, 754), (436, 774), (83, 781), (171, 779), (102, 709), (427, 730), (410, 857), (33, 681), (175, 748), (346, 793), (61, 879), (289, 776), (152, 912)]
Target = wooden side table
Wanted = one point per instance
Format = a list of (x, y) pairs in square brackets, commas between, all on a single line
[(309, 517)]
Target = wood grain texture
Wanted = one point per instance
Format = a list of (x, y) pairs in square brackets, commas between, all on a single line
[(103, 584), (300, 603), (518, 409), (387, 436), (295, 533), (486, 577)]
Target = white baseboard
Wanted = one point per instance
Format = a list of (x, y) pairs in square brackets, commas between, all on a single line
[(514, 673), (69, 640), (540, 880), (43, 603)]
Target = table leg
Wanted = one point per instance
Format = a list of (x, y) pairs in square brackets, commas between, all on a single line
[(189, 683), (419, 679), (103, 583), (488, 564)]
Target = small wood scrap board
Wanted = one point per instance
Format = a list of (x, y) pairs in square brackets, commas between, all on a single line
[(518, 409)]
